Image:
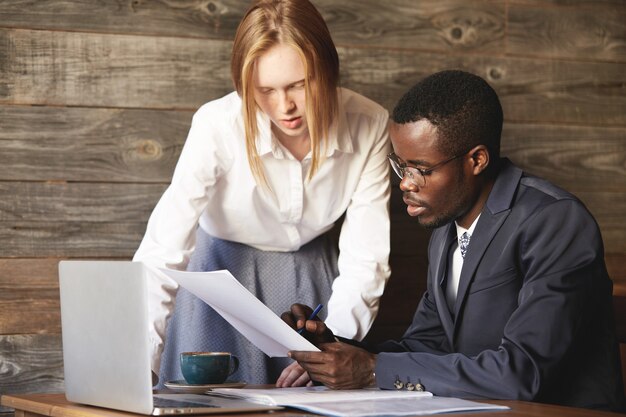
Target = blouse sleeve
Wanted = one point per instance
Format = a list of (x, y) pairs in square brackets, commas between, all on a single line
[(364, 244), (169, 240)]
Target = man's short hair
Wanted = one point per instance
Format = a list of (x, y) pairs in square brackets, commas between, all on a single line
[(463, 107)]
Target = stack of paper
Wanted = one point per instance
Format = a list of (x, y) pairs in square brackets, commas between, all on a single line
[(356, 403)]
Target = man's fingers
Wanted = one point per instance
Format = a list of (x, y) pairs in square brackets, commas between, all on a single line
[(307, 357), (300, 313), (287, 317), (315, 326)]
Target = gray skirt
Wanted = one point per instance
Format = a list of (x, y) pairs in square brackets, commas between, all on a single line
[(278, 279)]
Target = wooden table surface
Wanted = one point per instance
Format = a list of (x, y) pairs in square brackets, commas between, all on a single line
[(55, 405)]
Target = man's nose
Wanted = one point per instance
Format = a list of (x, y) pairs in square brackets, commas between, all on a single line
[(407, 184)]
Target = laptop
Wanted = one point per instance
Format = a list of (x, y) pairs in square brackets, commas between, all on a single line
[(106, 349)]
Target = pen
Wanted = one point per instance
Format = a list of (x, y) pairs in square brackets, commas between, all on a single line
[(312, 316)]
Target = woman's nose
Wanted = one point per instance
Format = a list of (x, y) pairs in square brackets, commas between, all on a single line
[(286, 103)]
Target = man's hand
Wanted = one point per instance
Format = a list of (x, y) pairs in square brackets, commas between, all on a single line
[(294, 376), (316, 331), (338, 365)]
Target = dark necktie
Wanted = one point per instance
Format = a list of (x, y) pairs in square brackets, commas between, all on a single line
[(464, 243)]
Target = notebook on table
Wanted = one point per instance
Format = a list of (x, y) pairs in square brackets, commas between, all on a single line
[(106, 349)]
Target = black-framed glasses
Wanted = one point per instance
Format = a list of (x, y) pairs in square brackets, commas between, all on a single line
[(417, 175)]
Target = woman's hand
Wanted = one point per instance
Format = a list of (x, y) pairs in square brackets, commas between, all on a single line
[(294, 376)]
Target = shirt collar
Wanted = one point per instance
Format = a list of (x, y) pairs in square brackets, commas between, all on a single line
[(460, 229), (339, 137), (265, 140)]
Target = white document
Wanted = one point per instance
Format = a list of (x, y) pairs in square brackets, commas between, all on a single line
[(367, 402), (242, 310), (318, 394)]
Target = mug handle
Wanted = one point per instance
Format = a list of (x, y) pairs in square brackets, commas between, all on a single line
[(234, 364)]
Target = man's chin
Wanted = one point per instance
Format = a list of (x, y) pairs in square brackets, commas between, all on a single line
[(433, 223)]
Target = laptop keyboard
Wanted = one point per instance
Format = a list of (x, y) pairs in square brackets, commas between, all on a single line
[(169, 403)]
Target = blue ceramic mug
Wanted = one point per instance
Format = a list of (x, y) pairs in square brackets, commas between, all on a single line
[(201, 368)]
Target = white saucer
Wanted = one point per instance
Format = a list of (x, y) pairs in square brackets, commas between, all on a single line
[(182, 385)]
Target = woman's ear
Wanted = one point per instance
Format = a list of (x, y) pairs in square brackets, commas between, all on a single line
[(480, 159)]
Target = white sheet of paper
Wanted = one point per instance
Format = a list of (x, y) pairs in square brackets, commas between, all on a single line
[(367, 402), (242, 310)]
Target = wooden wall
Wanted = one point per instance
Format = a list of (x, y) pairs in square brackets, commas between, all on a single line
[(96, 99)]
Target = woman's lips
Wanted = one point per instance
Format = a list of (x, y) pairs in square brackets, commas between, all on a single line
[(293, 123)]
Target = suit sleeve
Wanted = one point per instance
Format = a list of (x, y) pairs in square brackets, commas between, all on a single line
[(559, 253)]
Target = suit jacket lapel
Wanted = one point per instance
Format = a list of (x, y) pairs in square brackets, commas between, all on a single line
[(447, 237), (486, 228), (494, 214)]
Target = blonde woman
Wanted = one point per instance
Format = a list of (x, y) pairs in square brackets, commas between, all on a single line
[(265, 172)]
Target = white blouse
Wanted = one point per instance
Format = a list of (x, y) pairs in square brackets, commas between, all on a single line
[(213, 185)]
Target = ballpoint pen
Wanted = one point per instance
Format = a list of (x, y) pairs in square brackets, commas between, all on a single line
[(312, 316)]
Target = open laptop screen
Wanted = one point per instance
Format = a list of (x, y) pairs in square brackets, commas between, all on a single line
[(106, 349)]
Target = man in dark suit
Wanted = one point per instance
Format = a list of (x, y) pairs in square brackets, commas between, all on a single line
[(518, 304)]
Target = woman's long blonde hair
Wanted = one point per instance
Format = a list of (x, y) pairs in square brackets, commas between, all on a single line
[(296, 23)]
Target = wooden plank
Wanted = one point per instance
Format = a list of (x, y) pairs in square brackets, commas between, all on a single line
[(215, 19), (73, 202), (619, 308), (29, 296), (608, 209), (578, 158), (622, 351), (590, 4), (403, 292), (440, 25), (475, 25), (588, 33), (530, 90), (41, 67), (144, 145), (616, 265), (71, 239), (31, 363), (90, 144), (32, 285), (74, 219), (587, 161), (408, 238), (68, 68)]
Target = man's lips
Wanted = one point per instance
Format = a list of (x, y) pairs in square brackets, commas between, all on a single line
[(413, 208)]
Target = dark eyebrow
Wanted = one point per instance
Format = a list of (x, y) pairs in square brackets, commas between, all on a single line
[(418, 162)]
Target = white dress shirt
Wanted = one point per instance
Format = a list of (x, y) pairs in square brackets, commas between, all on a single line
[(452, 287), (213, 185)]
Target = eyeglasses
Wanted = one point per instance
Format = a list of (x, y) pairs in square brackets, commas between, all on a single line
[(417, 175)]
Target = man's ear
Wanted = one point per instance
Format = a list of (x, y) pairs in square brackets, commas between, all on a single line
[(480, 159)]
